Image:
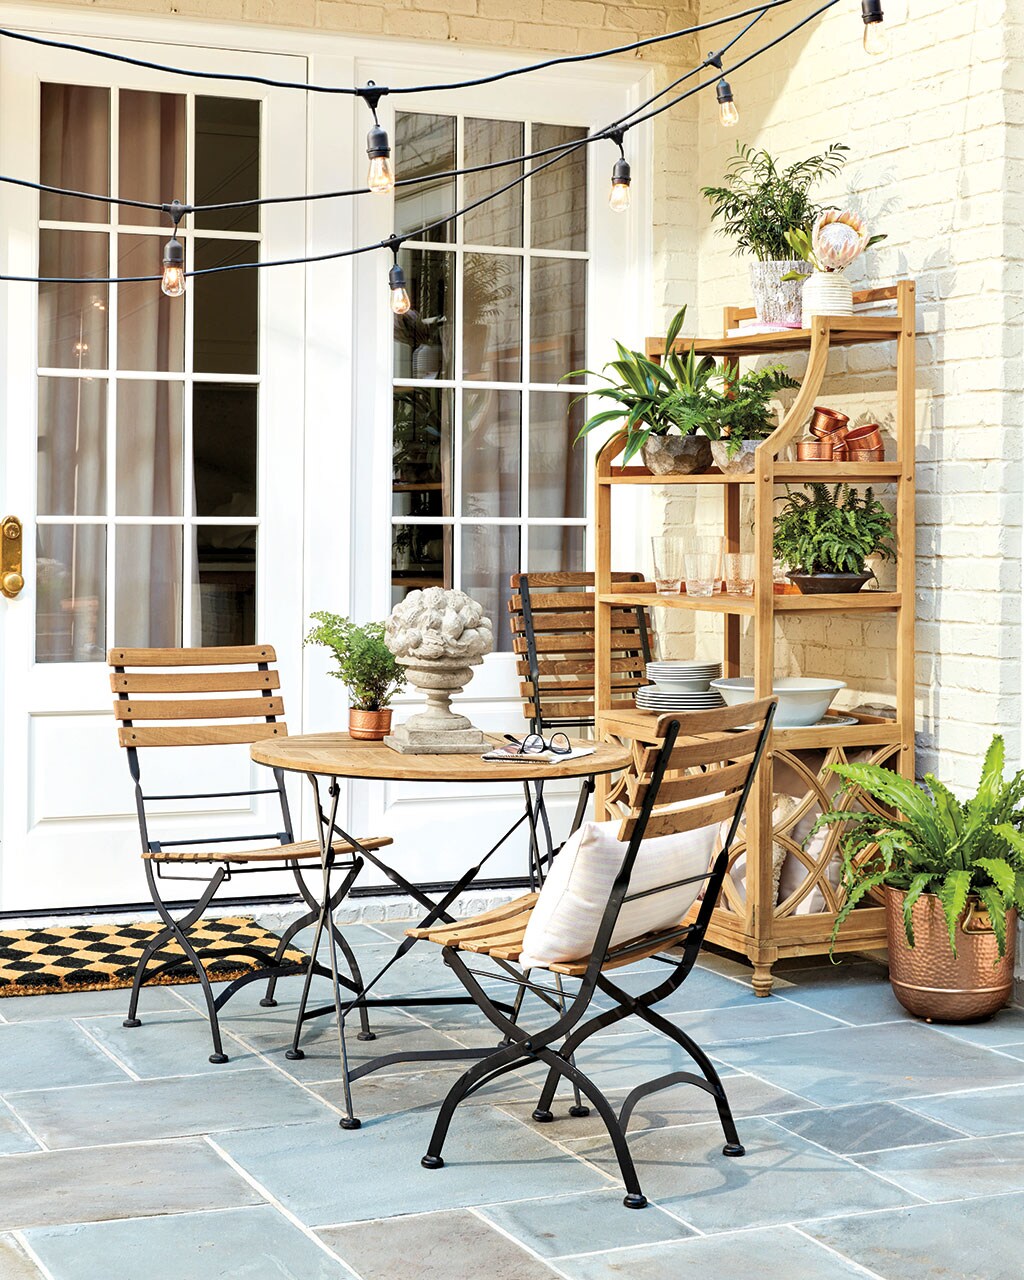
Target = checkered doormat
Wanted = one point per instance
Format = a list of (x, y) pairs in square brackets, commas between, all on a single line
[(101, 957)]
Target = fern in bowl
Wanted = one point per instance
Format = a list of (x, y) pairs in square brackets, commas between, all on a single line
[(825, 535), (951, 872)]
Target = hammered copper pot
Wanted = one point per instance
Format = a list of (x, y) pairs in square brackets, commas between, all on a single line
[(928, 980), (369, 726)]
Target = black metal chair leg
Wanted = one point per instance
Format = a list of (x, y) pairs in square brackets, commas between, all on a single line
[(132, 1020), (268, 1000), (350, 959), (461, 1089)]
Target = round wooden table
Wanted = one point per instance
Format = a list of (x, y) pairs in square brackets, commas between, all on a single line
[(334, 756)]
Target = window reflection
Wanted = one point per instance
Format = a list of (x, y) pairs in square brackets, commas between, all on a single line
[(490, 555), (150, 326), (73, 317), (71, 571), (557, 548), (558, 318), (421, 556), (151, 153), (227, 161), (499, 221), (492, 326), (149, 448), (224, 585), (423, 336), (491, 459), (71, 447), (557, 479), (424, 145), (224, 437), (558, 200), (74, 151), (147, 589), (226, 308), (421, 452)]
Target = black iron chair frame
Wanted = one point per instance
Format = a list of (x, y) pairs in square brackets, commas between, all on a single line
[(272, 964), (556, 1044)]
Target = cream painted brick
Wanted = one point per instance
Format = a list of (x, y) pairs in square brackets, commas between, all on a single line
[(488, 31), (574, 13), (339, 15), (560, 39), (417, 26)]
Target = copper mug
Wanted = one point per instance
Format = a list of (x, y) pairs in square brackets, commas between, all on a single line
[(865, 437), (814, 450), (827, 422)]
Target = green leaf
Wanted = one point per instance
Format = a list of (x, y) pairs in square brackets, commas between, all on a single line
[(996, 909), (1001, 874), (953, 895), (918, 885)]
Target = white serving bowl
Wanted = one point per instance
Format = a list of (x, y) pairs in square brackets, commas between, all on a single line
[(802, 699)]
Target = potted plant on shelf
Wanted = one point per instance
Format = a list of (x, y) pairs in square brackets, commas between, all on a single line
[(651, 402), (366, 666), (758, 205), (835, 241), (952, 876), (826, 536), (687, 412)]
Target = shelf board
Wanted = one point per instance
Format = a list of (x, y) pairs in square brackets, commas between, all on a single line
[(855, 602), (632, 721), (844, 331), (821, 472)]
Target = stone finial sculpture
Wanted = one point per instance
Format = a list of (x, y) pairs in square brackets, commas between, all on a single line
[(438, 636)]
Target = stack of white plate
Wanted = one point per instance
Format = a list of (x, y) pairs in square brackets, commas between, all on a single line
[(680, 686)]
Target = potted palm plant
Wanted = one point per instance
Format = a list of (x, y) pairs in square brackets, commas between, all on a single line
[(687, 412), (366, 666), (758, 204), (825, 537), (952, 875)]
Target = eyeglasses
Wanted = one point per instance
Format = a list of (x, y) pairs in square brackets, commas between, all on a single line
[(533, 744)]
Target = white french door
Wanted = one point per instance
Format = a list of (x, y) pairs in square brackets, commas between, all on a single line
[(469, 471), (152, 447)]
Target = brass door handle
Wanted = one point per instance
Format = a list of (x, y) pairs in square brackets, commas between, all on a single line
[(11, 580)]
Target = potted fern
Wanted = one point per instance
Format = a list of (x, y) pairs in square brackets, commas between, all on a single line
[(758, 205), (825, 537), (366, 666), (952, 875)]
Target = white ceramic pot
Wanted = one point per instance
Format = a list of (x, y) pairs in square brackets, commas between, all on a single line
[(777, 301), (802, 700), (827, 293)]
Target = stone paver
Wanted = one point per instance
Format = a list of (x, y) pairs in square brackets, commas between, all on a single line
[(124, 1144)]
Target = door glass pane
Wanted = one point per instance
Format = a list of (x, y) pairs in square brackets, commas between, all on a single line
[(421, 452), (558, 318), (224, 585), (227, 161), (150, 326), (73, 317), (424, 144), (149, 448), (421, 556), (224, 429), (147, 595), (151, 153), (558, 200), (71, 447), (74, 151), (491, 461), (423, 337), (500, 221), (557, 548), (492, 329), (70, 593), (226, 309), (490, 555), (557, 481)]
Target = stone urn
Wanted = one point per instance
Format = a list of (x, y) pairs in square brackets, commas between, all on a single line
[(675, 455), (439, 636), (741, 463)]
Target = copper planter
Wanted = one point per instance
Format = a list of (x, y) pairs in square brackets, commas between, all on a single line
[(928, 980), (814, 450), (369, 726), (866, 437), (826, 422)]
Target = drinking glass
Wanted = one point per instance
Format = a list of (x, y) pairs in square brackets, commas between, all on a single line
[(703, 573), (668, 565), (739, 573)]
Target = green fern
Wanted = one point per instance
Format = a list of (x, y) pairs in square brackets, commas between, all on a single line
[(832, 530), (933, 843)]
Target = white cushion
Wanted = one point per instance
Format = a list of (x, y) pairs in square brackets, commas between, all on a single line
[(565, 919)]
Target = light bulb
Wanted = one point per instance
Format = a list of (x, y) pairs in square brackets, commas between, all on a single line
[(619, 197), (876, 39), (381, 176), (400, 302), (173, 281), (728, 112)]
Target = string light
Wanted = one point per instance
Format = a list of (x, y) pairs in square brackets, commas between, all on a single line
[(381, 175), (400, 301), (876, 38), (728, 112), (619, 196), (172, 283)]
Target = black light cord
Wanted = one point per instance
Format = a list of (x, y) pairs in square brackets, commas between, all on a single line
[(607, 132), (355, 91)]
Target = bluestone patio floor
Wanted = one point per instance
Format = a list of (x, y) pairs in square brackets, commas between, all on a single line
[(876, 1145)]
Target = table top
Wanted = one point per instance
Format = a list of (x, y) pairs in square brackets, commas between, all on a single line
[(337, 755)]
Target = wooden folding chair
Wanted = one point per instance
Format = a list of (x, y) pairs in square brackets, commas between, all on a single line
[(183, 714), (552, 620), (699, 775)]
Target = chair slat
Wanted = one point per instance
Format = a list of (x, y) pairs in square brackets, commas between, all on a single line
[(713, 749), (562, 600), (192, 681), (582, 643), (196, 708), (199, 735), (707, 814), (574, 578), (690, 787), (226, 655), (574, 620), (305, 849), (581, 666)]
